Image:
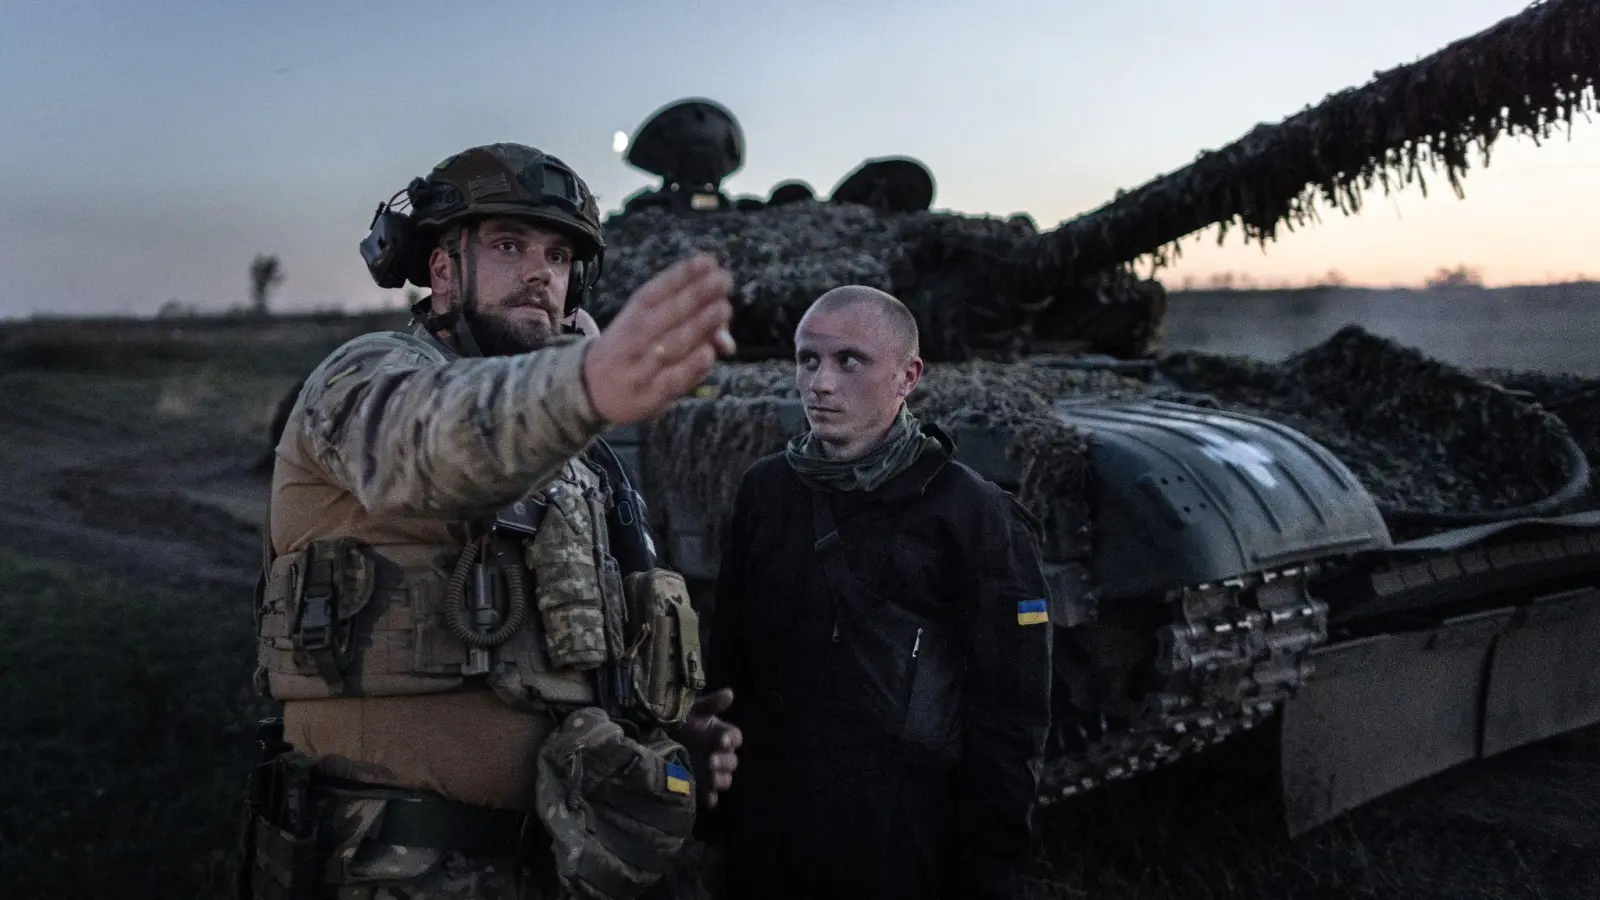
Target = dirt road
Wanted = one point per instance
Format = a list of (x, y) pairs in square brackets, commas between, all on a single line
[(156, 497)]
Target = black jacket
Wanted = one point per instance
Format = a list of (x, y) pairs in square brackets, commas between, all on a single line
[(894, 712)]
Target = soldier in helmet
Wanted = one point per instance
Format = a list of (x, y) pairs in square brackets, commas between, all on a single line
[(490, 688)]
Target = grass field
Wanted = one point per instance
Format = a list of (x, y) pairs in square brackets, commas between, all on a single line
[(127, 716)]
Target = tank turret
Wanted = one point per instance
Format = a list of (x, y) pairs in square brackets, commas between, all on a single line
[(988, 287)]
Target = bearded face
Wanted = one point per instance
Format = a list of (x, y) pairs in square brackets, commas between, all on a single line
[(518, 323), (520, 274)]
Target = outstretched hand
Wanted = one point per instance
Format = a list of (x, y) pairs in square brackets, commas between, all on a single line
[(712, 743), (663, 342)]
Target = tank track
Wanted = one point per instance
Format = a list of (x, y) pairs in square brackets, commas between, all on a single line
[(1233, 652)]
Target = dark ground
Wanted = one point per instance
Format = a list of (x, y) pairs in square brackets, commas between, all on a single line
[(1549, 327), (128, 544)]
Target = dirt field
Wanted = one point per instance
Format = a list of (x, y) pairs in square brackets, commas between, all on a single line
[(128, 548)]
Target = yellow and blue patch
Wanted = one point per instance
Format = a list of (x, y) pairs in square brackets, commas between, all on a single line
[(1032, 612), (678, 780)]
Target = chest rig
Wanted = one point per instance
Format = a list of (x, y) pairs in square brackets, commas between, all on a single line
[(556, 603)]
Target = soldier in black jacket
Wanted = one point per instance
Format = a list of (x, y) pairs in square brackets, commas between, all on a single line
[(882, 620)]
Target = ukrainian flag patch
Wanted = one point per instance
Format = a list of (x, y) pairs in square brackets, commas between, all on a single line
[(1032, 612), (678, 780)]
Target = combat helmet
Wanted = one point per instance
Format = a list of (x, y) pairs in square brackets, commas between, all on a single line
[(490, 180)]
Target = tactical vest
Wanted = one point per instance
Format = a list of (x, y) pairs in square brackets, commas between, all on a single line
[(534, 606)]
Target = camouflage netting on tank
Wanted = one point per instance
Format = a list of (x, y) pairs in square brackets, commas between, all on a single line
[(1528, 74), (1573, 399), (705, 445), (1420, 434), (701, 447), (783, 258)]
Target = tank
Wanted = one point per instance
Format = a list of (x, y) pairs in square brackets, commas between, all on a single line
[(1392, 560)]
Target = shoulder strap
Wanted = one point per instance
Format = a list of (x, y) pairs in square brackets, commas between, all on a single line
[(839, 575), (267, 556)]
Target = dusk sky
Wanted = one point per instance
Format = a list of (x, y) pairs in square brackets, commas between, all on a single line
[(151, 150)]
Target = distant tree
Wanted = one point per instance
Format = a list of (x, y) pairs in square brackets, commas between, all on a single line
[(1460, 276), (265, 275)]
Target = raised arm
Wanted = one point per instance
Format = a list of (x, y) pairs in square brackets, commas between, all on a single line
[(410, 435)]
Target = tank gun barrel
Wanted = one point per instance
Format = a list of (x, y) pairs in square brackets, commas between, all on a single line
[(1526, 74)]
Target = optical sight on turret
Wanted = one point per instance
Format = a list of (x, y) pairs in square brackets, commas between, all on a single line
[(693, 145)]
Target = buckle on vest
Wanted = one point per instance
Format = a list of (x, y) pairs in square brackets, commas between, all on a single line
[(316, 613)]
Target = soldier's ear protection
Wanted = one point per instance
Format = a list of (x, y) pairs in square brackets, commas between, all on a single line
[(391, 240)]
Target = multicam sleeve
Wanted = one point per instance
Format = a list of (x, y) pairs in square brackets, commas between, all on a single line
[(409, 433)]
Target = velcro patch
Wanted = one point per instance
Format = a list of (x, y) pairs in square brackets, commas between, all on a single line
[(1032, 612), (488, 185), (678, 780)]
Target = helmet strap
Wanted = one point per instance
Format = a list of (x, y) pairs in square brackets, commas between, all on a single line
[(452, 320), (423, 313), (464, 263)]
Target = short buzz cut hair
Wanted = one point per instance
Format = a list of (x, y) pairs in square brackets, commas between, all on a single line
[(895, 314)]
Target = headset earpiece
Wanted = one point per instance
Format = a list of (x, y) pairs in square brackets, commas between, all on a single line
[(387, 247)]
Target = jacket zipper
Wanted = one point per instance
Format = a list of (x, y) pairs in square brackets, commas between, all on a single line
[(911, 684)]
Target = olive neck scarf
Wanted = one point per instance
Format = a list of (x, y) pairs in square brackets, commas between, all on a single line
[(903, 446)]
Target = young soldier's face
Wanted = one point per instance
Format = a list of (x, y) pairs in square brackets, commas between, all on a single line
[(521, 274), (853, 372)]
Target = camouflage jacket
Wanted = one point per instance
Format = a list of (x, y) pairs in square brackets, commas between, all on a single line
[(396, 441)]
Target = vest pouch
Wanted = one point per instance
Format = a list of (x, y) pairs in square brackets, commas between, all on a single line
[(663, 645), (306, 625), (521, 673), (567, 582), (618, 811)]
